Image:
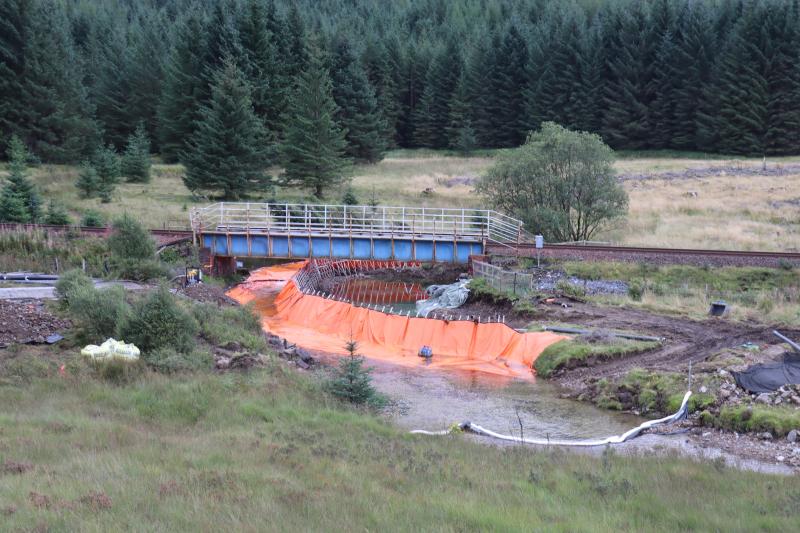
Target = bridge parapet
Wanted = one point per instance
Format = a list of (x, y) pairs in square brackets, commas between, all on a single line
[(301, 219), (355, 232)]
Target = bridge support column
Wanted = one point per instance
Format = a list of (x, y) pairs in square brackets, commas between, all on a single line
[(223, 265)]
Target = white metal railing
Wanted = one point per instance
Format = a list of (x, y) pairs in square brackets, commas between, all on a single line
[(258, 217), (504, 280)]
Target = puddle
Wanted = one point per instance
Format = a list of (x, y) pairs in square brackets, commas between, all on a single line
[(434, 400)]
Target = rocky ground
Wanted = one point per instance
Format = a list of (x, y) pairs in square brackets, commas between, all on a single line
[(27, 322)]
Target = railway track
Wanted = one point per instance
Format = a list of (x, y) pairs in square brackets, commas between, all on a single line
[(580, 252), (689, 256)]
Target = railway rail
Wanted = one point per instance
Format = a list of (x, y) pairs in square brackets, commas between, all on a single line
[(579, 252)]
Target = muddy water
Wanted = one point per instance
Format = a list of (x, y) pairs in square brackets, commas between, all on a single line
[(433, 400)]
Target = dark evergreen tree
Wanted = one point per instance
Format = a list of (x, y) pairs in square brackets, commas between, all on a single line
[(88, 182), (135, 163), (382, 65), (313, 143), (19, 200), (184, 89), (107, 166), (357, 106), (433, 113), (15, 26), (508, 85), (229, 151)]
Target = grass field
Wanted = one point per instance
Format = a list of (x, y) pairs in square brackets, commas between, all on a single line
[(270, 451), (737, 212)]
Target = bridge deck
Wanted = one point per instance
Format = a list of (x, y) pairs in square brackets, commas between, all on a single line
[(359, 232)]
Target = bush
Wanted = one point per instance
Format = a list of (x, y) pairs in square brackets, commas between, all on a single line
[(351, 380), (635, 291), (117, 370), (220, 325), (130, 240), (57, 215), (70, 282), (99, 314), (169, 361), (93, 219), (88, 181), (570, 289), (158, 321), (140, 270)]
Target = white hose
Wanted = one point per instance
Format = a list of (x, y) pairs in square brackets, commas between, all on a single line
[(616, 439)]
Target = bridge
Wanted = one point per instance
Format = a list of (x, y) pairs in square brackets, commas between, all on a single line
[(268, 230)]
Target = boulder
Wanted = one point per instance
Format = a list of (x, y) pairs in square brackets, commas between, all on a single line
[(764, 398), (792, 436), (765, 435)]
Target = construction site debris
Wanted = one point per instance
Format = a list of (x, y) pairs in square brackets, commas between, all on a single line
[(28, 322), (450, 296)]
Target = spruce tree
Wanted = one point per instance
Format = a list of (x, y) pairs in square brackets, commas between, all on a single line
[(229, 152), (135, 163), (460, 133), (509, 81), (19, 200), (357, 106), (184, 89), (107, 166), (15, 22), (433, 113), (313, 143), (382, 65), (88, 182)]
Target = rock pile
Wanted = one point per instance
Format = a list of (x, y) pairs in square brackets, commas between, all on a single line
[(291, 352), (27, 322)]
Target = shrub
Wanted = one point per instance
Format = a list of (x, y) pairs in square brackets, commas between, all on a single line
[(635, 291), (220, 325), (88, 181), (129, 240), (70, 282), (139, 270), (99, 314), (351, 381), (117, 370), (169, 361), (57, 215), (93, 219), (570, 289), (349, 198), (158, 321)]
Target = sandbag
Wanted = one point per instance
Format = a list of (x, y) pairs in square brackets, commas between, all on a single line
[(111, 348), (444, 297)]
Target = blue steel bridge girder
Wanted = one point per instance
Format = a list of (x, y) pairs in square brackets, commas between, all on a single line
[(351, 232)]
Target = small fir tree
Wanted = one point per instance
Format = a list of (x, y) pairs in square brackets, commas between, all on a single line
[(106, 165), (88, 181), (57, 215), (135, 163), (19, 200), (314, 144), (351, 381)]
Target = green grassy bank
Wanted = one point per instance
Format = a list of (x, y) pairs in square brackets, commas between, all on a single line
[(270, 451)]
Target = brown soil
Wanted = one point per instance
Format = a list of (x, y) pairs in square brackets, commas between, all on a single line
[(23, 322), (207, 294)]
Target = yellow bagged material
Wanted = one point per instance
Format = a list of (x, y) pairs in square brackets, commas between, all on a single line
[(111, 348)]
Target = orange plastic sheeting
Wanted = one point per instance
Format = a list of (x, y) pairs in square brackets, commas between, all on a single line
[(317, 323)]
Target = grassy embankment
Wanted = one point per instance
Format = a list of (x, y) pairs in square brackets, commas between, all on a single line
[(737, 212), (765, 295), (269, 450)]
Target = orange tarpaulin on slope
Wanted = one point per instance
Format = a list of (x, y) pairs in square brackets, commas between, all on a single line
[(317, 323)]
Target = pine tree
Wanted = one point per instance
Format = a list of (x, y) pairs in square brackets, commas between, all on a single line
[(433, 113), (260, 64), (19, 200), (135, 163), (49, 108), (15, 21), (106, 164), (314, 144), (357, 106), (509, 81), (229, 152), (184, 89), (460, 133), (382, 65), (88, 182), (479, 97)]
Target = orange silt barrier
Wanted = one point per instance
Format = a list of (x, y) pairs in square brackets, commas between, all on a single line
[(318, 323)]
